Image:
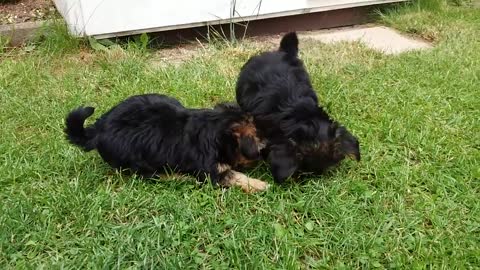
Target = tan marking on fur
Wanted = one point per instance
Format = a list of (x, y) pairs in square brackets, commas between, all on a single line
[(243, 162), (261, 144), (352, 156), (246, 128), (223, 168), (247, 184)]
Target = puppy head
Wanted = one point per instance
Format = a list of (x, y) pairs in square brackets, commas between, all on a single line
[(249, 143), (288, 157), (319, 141), (283, 160), (318, 156), (345, 144)]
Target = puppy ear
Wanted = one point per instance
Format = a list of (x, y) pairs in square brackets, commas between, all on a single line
[(249, 147), (347, 143), (289, 44), (282, 161)]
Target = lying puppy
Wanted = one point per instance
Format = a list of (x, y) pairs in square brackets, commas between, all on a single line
[(275, 88), (148, 133)]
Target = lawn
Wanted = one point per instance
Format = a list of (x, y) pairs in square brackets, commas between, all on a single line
[(412, 202)]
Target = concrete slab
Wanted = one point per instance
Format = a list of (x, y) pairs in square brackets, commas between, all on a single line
[(19, 33), (379, 38)]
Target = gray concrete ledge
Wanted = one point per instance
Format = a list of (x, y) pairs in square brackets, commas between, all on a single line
[(20, 33)]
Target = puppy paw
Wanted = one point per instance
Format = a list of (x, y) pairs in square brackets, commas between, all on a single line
[(247, 184), (255, 185)]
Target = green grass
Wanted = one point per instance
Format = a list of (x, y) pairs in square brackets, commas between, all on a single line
[(413, 201)]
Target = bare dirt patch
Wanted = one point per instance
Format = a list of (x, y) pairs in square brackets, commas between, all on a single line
[(26, 11), (176, 55), (181, 53)]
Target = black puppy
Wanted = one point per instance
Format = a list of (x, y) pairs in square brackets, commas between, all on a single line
[(148, 133), (275, 88)]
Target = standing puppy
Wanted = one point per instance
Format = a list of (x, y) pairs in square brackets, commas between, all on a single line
[(148, 133), (275, 88)]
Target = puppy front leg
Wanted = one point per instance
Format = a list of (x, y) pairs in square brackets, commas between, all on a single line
[(232, 178)]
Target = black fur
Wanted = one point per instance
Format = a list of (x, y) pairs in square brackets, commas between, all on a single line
[(275, 88), (148, 133)]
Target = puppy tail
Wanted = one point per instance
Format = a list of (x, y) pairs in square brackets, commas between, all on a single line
[(289, 44), (75, 131)]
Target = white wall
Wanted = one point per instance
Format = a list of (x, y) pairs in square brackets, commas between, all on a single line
[(117, 17)]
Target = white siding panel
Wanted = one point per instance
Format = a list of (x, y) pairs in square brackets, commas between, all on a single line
[(105, 18)]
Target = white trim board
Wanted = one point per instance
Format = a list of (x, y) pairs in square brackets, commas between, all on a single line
[(112, 18)]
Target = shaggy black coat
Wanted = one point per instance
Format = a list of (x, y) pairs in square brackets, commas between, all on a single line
[(275, 88), (149, 133)]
